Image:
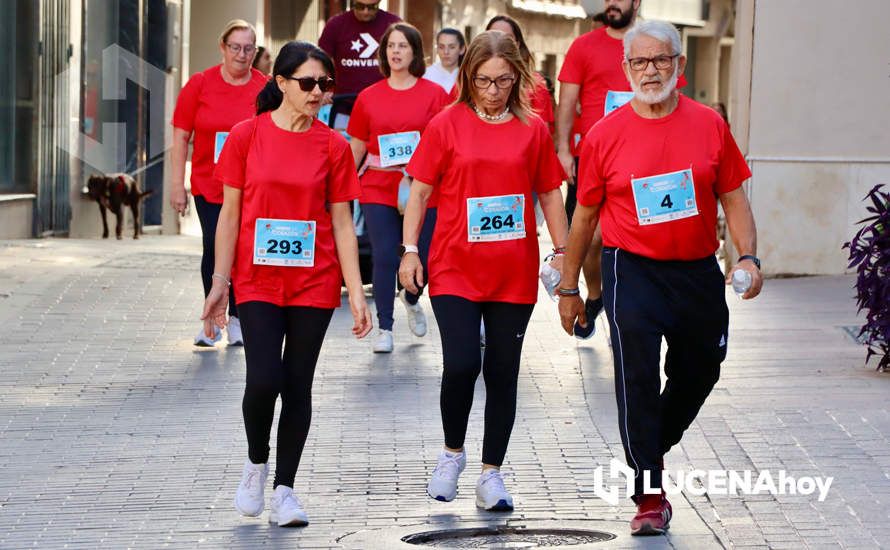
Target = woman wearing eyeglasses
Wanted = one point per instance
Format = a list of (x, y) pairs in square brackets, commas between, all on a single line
[(386, 123), (484, 157), (285, 238), (210, 103)]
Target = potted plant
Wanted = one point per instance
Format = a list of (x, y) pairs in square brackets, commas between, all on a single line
[(870, 255)]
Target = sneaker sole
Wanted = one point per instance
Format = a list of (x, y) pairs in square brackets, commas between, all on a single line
[(647, 529), (382, 351), (203, 344), (296, 522), (441, 498), (238, 344), (501, 506)]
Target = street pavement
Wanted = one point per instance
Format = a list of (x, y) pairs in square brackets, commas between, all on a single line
[(118, 433)]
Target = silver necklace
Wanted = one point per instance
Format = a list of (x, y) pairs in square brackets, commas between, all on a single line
[(491, 118)]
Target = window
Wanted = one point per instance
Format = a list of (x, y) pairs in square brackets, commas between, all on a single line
[(18, 106)]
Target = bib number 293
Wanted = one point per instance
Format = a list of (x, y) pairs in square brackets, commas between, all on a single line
[(289, 243)]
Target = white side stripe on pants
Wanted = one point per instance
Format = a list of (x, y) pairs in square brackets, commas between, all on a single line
[(621, 363)]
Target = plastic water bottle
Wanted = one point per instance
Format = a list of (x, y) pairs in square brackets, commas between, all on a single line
[(741, 282), (550, 279)]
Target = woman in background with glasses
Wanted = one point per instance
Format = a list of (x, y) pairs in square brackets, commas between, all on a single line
[(210, 103), (386, 123), (286, 238), (483, 156)]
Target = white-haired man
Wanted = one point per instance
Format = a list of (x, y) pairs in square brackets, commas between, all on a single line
[(651, 173)]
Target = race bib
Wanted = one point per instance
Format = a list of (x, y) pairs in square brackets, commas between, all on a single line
[(499, 218), (665, 197), (289, 243), (397, 149), (218, 143), (615, 100)]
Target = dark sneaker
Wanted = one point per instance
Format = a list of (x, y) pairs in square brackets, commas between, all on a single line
[(592, 308), (653, 516)]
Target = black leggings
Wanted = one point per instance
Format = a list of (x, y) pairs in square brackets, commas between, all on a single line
[(208, 215), (269, 375), (505, 324)]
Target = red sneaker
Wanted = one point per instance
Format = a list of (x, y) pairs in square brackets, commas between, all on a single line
[(653, 516)]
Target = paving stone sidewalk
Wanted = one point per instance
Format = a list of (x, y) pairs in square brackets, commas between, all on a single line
[(117, 433)]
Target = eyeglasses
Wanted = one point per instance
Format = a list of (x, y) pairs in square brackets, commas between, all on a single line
[(307, 83), (357, 6), (661, 62), (238, 48), (501, 82)]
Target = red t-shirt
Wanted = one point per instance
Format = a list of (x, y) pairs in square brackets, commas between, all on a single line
[(207, 104), (380, 110), (594, 63), (465, 157), (259, 158), (625, 146), (541, 103), (353, 47)]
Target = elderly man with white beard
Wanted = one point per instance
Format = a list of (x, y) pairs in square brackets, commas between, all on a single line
[(651, 173)]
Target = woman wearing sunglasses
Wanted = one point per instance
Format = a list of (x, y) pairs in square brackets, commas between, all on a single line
[(483, 156), (286, 238), (207, 107), (386, 124)]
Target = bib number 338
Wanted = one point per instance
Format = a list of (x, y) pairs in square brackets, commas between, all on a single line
[(665, 197), (397, 149), (500, 218), (289, 243)]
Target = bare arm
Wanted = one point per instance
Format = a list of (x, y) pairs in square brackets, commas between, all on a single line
[(359, 148), (584, 224), (740, 220), (565, 117), (557, 224), (226, 237), (178, 156), (347, 253), (411, 270)]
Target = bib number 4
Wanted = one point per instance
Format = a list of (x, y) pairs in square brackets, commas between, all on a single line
[(665, 197)]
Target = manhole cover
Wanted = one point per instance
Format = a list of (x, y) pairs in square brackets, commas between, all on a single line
[(507, 537)]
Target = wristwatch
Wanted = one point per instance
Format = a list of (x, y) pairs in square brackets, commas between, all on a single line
[(406, 248), (751, 257)]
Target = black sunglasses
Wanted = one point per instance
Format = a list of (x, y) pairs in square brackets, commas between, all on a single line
[(307, 83)]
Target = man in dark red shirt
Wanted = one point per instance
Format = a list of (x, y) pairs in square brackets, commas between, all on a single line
[(650, 175), (352, 39)]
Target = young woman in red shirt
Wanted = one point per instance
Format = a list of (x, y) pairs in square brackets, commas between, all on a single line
[(285, 238), (483, 156), (208, 106), (386, 123)]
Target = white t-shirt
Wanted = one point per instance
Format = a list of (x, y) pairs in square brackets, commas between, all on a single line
[(440, 75)]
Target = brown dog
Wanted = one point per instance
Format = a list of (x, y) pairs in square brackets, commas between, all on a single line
[(113, 192)]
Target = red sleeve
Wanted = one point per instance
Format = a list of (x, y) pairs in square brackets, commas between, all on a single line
[(541, 102), (732, 170), (591, 187), (572, 68), (549, 174), (233, 158), (359, 126), (453, 95), (428, 161), (444, 99), (187, 103), (342, 182)]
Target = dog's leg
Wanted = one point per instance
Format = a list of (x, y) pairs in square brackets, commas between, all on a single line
[(104, 221), (136, 225), (120, 224)]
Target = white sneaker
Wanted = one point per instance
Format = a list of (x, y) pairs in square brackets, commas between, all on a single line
[(443, 484), (416, 317), (233, 330), (287, 510), (249, 496), (383, 342), (201, 340), (491, 493)]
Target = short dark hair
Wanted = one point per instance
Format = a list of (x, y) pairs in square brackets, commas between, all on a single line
[(601, 18), (291, 56), (412, 35)]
